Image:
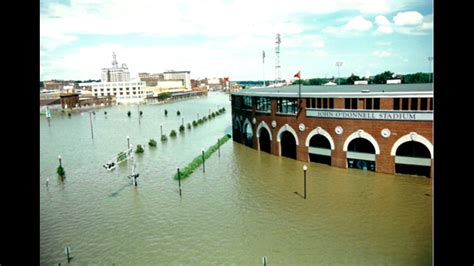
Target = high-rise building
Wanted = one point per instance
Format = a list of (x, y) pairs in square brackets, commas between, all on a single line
[(116, 73)]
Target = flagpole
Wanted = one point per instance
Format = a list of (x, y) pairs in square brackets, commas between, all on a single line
[(263, 59), (299, 94)]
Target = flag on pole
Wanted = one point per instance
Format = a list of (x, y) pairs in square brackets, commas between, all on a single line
[(298, 75)]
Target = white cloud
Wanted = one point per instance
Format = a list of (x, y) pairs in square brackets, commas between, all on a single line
[(384, 27), (318, 44), (415, 24), (357, 24), (354, 26), (408, 18), (381, 54), (382, 21)]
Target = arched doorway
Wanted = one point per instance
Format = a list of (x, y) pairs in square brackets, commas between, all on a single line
[(236, 131), (288, 144), (361, 154), (413, 158), (248, 135), (264, 140), (319, 150)]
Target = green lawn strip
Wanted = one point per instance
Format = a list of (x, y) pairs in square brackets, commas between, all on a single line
[(189, 169)]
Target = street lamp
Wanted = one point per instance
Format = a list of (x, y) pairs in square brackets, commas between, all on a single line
[(305, 168), (338, 64), (179, 181), (203, 164), (128, 142)]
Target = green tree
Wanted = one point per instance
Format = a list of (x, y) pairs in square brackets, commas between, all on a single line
[(382, 77), (164, 95), (352, 79), (417, 78)]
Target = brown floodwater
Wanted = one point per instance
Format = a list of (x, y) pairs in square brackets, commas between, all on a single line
[(242, 208)]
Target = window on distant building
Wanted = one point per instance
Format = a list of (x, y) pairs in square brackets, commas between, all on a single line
[(347, 103), (396, 103), (247, 102), (423, 103), (354, 103), (287, 106), (405, 103), (377, 104), (368, 103), (263, 104), (414, 104), (331, 103)]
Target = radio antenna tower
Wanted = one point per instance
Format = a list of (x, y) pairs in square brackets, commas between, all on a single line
[(277, 59)]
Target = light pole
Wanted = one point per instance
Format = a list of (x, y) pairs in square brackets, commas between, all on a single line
[(161, 130), (430, 59), (128, 142), (60, 165), (92, 130), (305, 168), (203, 164), (179, 182), (338, 64)]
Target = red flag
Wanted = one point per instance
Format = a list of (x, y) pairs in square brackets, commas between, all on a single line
[(226, 79), (297, 75)]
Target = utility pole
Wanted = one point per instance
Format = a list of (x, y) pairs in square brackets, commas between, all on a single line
[(277, 59), (338, 64), (430, 59)]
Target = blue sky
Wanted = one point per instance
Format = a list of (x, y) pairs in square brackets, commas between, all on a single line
[(217, 38)]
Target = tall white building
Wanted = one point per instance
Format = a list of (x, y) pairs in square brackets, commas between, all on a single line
[(116, 83), (115, 73)]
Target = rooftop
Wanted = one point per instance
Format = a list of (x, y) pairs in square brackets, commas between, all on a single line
[(365, 91)]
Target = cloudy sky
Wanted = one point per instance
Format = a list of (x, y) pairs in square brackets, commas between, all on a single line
[(217, 38)]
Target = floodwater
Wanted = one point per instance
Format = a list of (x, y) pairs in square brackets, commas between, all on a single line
[(242, 208)]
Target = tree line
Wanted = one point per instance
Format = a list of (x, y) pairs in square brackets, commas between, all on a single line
[(377, 79)]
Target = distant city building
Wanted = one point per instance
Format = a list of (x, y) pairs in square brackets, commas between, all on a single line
[(179, 75), (126, 92), (116, 73), (57, 84), (116, 83)]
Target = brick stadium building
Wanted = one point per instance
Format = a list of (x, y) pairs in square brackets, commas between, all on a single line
[(383, 128)]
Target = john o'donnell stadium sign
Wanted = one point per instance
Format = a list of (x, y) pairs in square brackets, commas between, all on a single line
[(371, 115)]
